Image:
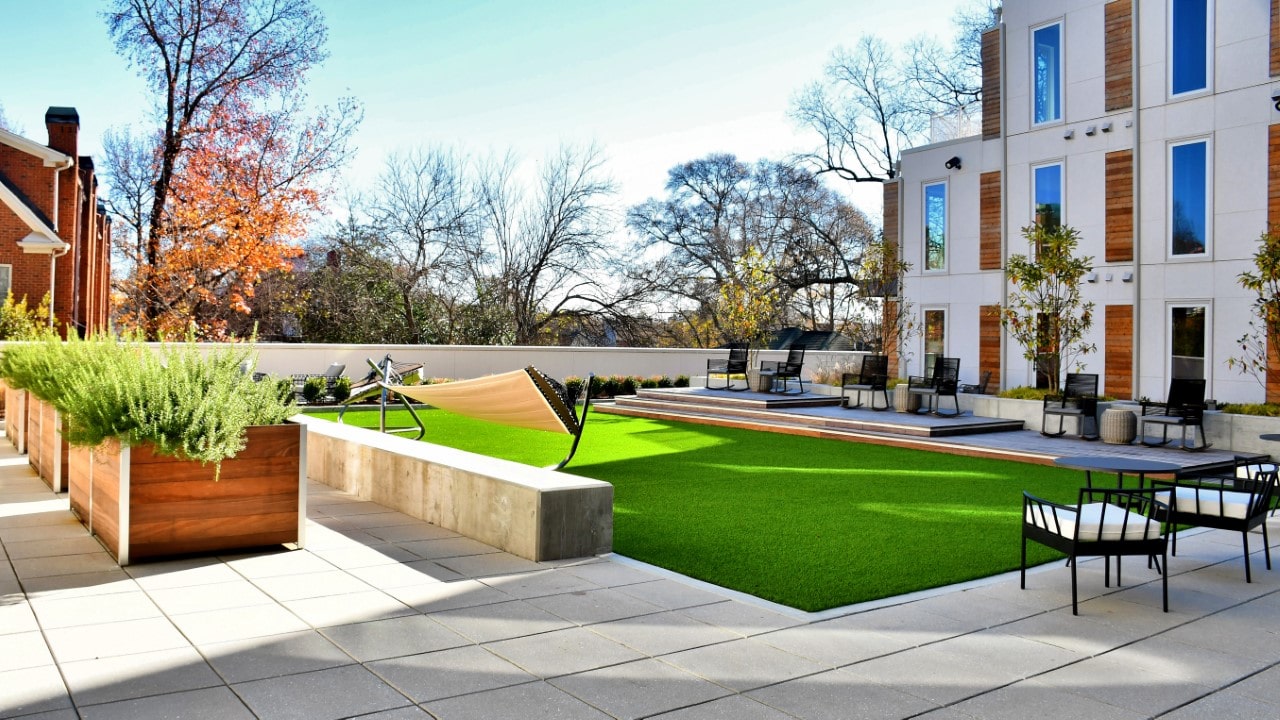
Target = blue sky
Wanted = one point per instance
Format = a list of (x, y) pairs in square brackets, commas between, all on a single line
[(654, 83)]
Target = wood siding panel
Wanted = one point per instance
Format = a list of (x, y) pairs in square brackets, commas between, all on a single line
[(890, 205), (1273, 176), (1118, 355), (1273, 373), (1119, 206), (1119, 54), (991, 84), (989, 340), (990, 256)]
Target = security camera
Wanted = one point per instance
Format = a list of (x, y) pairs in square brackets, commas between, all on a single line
[(953, 163)]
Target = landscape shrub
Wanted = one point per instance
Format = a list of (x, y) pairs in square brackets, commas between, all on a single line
[(313, 389), (341, 389)]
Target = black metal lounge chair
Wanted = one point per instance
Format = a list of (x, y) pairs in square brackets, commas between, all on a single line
[(944, 382), (786, 369), (1184, 407), (872, 378), (978, 388), (1079, 400), (1103, 522), (735, 364), (1232, 503)]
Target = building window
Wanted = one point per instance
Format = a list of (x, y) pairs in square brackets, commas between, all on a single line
[(1189, 198), (6, 280), (1047, 181), (1046, 70), (935, 226), (1188, 46), (1187, 332), (935, 337)]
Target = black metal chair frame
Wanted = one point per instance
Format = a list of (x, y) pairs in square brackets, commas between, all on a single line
[(872, 378), (1184, 407), (944, 382), (978, 388), (1078, 399), (735, 364), (1210, 495), (784, 370), (1043, 521)]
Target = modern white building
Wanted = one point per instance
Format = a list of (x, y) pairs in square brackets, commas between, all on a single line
[(1153, 128)]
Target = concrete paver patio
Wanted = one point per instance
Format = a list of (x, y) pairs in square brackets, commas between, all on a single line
[(384, 616)]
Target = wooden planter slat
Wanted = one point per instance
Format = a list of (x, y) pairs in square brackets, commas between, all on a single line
[(144, 505), (15, 422)]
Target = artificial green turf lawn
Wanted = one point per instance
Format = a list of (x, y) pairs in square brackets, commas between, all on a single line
[(806, 522)]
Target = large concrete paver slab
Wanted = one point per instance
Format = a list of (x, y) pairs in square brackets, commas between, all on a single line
[(322, 695), (448, 673), (639, 689), (535, 699)]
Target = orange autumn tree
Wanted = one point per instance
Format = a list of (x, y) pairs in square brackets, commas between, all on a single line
[(236, 164), (240, 202)]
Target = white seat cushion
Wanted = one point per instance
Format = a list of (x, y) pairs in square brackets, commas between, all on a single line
[(1098, 521), (1248, 471), (1209, 501)]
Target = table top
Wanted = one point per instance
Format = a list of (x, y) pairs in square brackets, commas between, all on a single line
[(1111, 463)]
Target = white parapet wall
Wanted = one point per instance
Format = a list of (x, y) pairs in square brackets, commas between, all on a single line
[(531, 512)]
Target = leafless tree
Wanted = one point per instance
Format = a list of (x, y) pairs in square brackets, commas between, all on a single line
[(423, 213), (129, 166), (871, 104), (543, 246), (6, 123)]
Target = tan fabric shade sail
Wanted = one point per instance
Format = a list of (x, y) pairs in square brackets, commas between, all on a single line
[(522, 398)]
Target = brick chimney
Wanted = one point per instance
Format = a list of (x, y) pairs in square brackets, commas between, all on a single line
[(64, 129)]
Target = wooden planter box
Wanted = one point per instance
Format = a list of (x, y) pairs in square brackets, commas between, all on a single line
[(46, 450), (142, 505), (15, 419)]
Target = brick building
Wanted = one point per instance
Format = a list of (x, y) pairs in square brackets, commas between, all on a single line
[(54, 235)]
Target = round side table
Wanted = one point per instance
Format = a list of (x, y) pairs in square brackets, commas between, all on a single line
[(1118, 426)]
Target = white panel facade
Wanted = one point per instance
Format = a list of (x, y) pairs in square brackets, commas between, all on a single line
[(1230, 116)]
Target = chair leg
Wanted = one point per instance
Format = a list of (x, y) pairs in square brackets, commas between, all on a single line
[(1266, 544), (1024, 562), (1164, 582), (1248, 575), (1075, 609), (1173, 535), (1044, 426), (1106, 571)]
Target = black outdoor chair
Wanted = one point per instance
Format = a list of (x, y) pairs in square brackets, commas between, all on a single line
[(1104, 522), (1184, 407), (1078, 399), (735, 364), (944, 382), (786, 369), (873, 378), (978, 388), (1233, 503)]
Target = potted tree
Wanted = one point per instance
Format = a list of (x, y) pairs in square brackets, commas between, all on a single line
[(172, 452)]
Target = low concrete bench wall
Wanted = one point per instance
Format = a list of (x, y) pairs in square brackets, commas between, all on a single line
[(531, 512)]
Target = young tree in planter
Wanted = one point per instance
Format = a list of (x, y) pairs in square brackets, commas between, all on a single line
[(1045, 312), (887, 318), (1261, 344)]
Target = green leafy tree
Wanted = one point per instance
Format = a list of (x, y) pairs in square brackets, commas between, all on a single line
[(1045, 312), (1261, 343), (886, 319), (750, 302)]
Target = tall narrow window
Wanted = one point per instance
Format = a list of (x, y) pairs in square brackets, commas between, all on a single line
[(1048, 195), (1189, 198), (1046, 73), (6, 280), (935, 226), (1187, 330), (1188, 46), (935, 337)]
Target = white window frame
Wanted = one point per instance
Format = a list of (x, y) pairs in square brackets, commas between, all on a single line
[(1169, 307), (1208, 50), (1062, 65), (1062, 187), (1208, 200), (924, 226)]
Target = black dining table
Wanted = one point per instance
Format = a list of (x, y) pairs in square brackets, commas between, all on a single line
[(1121, 466), (1269, 436)]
